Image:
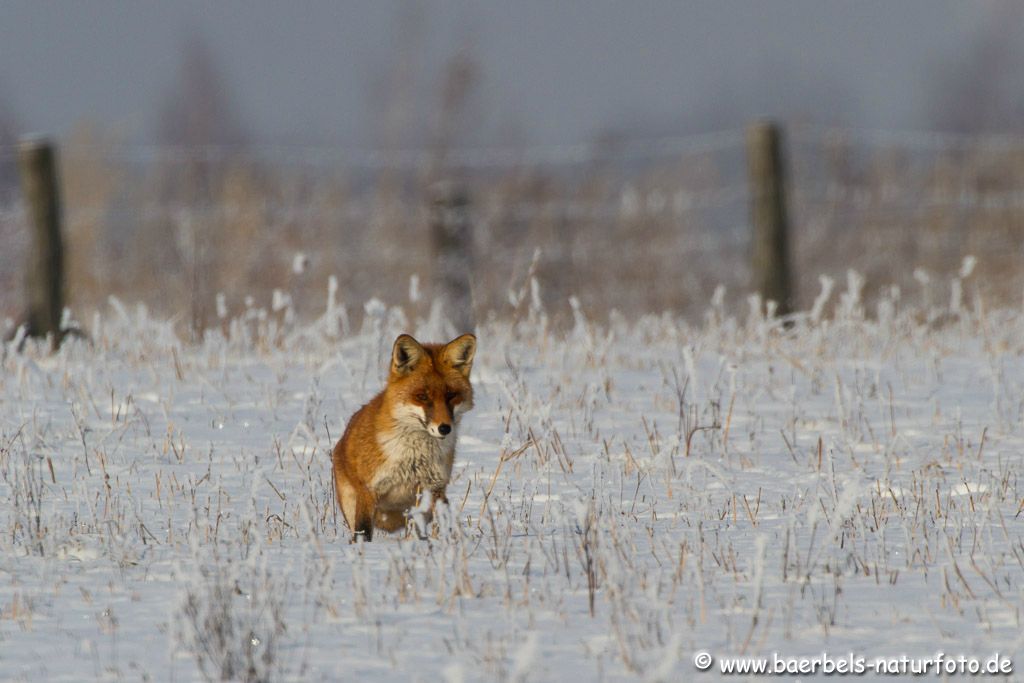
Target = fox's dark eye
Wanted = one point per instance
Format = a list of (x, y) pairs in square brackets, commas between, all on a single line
[(422, 397), (450, 395)]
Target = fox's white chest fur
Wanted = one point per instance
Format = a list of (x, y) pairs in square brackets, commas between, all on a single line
[(414, 461)]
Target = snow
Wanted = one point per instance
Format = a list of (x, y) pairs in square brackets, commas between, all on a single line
[(840, 484)]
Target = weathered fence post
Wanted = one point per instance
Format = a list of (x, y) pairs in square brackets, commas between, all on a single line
[(767, 177), (37, 166), (451, 240)]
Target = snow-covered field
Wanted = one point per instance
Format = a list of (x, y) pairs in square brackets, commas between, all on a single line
[(626, 494)]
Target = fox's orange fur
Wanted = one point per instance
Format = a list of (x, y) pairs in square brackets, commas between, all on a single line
[(402, 443)]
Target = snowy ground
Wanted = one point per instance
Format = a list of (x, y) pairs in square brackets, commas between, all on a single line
[(625, 496)]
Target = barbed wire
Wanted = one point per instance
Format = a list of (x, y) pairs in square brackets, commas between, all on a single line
[(417, 159), (909, 200), (532, 155), (922, 140), (630, 204)]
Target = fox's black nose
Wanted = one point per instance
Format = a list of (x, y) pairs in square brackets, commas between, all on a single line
[(444, 428)]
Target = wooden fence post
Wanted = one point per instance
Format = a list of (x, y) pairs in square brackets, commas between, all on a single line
[(37, 166), (767, 177), (451, 240)]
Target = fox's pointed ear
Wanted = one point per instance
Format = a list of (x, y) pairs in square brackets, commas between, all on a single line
[(459, 352), (406, 354)]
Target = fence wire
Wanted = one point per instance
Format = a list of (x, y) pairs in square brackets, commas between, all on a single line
[(633, 225)]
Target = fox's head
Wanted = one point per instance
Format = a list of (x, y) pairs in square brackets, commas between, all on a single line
[(429, 383)]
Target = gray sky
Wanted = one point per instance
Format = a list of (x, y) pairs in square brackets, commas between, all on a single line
[(324, 72)]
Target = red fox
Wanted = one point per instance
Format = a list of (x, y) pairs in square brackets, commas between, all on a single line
[(401, 444)]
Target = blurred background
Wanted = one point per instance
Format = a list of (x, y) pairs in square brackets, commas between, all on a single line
[(210, 153)]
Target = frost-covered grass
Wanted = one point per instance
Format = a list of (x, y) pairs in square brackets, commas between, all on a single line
[(624, 495)]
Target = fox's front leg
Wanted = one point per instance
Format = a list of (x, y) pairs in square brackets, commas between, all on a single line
[(358, 505), (436, 496), (423, 513), (363, 520)]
